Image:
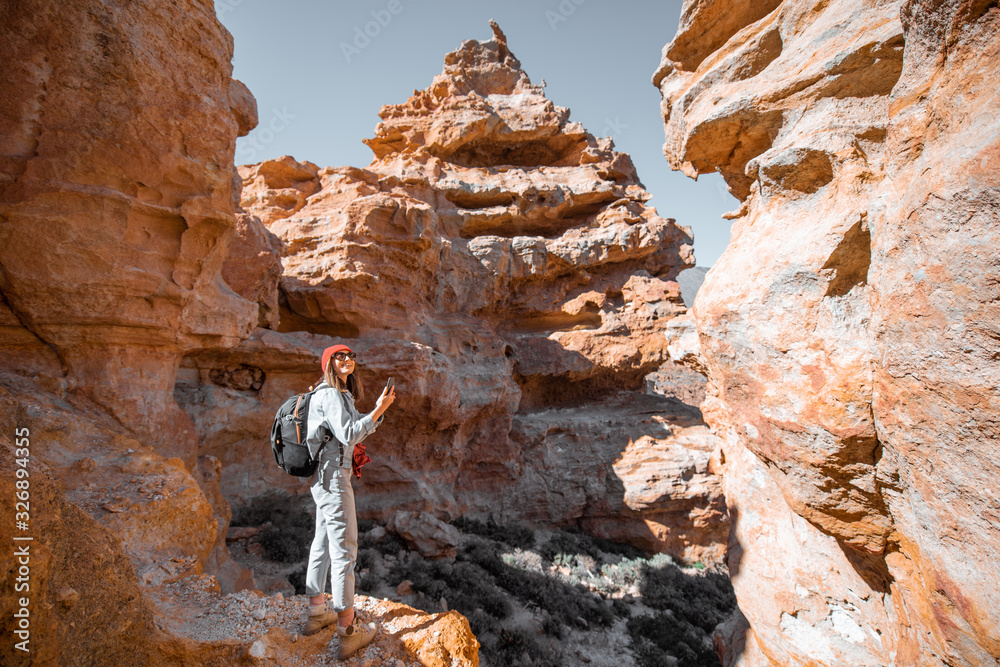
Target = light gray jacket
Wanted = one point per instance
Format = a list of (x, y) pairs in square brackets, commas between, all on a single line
[(332, 411)]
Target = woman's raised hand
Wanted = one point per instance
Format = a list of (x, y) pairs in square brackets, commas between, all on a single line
[(385, 400)]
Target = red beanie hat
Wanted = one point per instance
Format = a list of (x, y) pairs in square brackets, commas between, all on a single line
[(329, 352)]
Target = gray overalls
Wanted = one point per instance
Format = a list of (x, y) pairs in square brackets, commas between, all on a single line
[(335, 545)]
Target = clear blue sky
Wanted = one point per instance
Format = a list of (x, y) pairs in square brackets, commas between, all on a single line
[(320, 70)]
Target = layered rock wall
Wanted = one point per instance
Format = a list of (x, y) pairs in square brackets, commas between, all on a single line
[(849, 329)]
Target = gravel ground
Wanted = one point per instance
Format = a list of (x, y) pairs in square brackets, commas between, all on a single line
[(194, 608)]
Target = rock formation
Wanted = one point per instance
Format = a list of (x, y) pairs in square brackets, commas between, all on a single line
[(849, 330), (118, 197), (110, 313), (501, 264), (250, 628)]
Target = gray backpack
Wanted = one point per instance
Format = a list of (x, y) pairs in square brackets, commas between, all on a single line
[(288, 436)]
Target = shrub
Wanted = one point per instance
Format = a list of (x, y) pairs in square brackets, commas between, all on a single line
[(494, 568), (513, 645), (297, 578), (524, 560), (566, 544), (464, 585), (286, 543), (656, 637), (482, 624), (514, 534), (690, 606), (629, 572), (472, 591), (575, 543), (564, 600), (704, 600), (274, 507), (480, 585), (616, 548), (366, 582), (365, 560), (287, 538), (621, 608), (390, 545)]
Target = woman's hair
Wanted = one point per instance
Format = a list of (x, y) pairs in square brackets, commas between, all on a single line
[(352, 385)]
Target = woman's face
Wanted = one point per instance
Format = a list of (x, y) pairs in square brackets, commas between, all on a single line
[(343, 364)]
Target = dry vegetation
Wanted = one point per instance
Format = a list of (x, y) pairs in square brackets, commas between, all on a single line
[(532, 597)]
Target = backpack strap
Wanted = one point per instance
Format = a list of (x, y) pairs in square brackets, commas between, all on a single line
[(276, 443), (322, 431), (298, 430), (327, 435), (342, 446)]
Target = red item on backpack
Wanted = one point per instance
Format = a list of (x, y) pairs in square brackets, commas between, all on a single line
[(360, 459)]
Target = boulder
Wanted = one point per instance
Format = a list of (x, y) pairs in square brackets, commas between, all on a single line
[(426, 534), (253, 267)]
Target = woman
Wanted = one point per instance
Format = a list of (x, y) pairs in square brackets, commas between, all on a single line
[(334, 419)]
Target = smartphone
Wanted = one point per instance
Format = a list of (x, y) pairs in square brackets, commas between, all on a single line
[(389, 383)]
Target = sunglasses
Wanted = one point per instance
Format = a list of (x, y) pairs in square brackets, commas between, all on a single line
[(340, 356)]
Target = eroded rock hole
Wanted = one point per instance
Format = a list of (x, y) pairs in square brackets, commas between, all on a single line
[(241, 378), (307, 316)]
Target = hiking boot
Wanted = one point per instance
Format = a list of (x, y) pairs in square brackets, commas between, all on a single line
[(355, 637), (317, 623)]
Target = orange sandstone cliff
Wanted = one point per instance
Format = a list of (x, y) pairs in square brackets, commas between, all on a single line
[(850, 329), (118, 203)]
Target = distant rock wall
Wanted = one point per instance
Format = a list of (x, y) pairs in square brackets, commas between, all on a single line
[(850, 328), (501, 264)]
